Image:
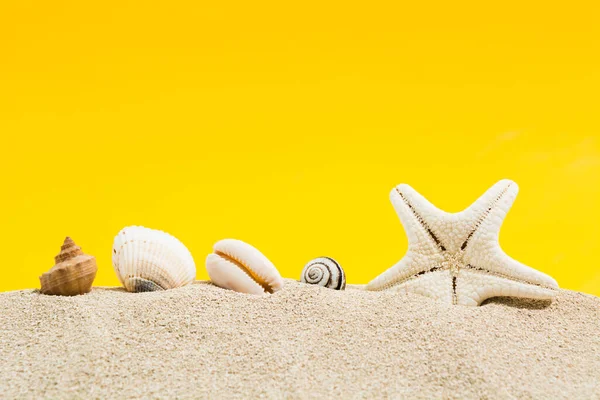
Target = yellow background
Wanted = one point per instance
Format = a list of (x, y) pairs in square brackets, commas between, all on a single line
[(286, 124)]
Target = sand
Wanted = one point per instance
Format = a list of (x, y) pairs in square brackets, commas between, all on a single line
[(302, 342)]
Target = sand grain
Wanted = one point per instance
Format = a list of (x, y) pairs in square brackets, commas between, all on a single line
[(304, 341)]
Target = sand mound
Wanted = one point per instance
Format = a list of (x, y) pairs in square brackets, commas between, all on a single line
[(304, 341)]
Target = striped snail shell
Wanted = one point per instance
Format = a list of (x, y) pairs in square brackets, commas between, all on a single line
[(324, 271)]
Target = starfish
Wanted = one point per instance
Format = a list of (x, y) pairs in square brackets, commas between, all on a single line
[(456, 257)]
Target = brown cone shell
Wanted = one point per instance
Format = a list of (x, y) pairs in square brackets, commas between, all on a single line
[(73, 273)]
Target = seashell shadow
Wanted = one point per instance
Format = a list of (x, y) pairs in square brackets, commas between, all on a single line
[(111, 289), (521, 303)]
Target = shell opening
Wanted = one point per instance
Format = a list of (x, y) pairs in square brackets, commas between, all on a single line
[(144, 285), (247, 271)]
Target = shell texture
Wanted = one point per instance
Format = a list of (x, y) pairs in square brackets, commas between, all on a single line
[(324, 271), (456, 257), (73, 273), (240, 267), (148, 260)]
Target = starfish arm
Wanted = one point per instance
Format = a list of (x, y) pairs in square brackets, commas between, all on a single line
[(410, 266), (474, 287), (413, 209), (395, 274), (504, 189), (494, 261), (415, 199), (436, 285), (488, 212)]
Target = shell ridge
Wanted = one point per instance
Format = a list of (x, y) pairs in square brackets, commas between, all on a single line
[(73, 273), (325, 272), (142, 255)]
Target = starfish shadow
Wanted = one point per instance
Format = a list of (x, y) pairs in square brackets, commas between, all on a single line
[(109, 288), (529, 304)]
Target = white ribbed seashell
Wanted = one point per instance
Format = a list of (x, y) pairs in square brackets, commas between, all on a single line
[(146, 260), (324, 271), (238, 266)]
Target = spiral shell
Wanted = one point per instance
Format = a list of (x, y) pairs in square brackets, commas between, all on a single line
[(147, 260), (73, 273), (324, 271)]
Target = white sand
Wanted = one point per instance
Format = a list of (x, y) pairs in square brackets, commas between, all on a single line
[(304, 341)]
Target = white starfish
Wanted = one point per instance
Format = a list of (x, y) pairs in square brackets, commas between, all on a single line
[(456, 257)]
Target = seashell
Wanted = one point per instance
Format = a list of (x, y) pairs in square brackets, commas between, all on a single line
[(238, 266), (324, 271), (148, 260), (73, 273)]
